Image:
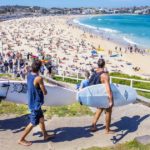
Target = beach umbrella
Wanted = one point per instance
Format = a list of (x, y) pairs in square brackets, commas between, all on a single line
[(94, 52), (44, 61), (33, 56), (100, 49)]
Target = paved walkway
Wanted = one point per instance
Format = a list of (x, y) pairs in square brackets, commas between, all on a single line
[(72, 133)]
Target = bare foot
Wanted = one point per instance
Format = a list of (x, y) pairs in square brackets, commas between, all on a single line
[(93, 129), (48, 137), (109, 132), (24, 142)]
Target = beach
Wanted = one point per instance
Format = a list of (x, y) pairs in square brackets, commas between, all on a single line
[(69, 46)]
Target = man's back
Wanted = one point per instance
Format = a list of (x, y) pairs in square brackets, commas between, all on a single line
[(35, 95)]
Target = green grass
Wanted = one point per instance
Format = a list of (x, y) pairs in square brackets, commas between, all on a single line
[(12, 108), (133, 145), (68, 80), (121, 75), (135, 83), (144, 94), (68, 111), (5, 76), (61, 111)]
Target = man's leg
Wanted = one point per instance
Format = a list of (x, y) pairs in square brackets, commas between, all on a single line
[(95, 119), (108, 121), (44, 132), (22, 140)]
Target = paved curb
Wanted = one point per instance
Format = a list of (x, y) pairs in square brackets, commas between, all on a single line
[(143, 100), (143, 139)]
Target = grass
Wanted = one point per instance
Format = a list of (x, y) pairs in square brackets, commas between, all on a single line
[(144, 94), (12, 108), (133, 145), (68, 111), (5, 76), (61, 111), (68, 80), (121, 75)]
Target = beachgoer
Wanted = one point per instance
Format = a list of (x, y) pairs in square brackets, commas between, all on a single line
[(85, 82), (49, 67), (36, 92), (103, 78), (42, 69), (6, 66)]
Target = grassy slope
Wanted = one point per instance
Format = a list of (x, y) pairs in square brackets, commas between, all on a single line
[(61, 111), (133, 145)]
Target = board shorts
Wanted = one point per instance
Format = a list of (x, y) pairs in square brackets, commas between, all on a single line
[(35, 116)]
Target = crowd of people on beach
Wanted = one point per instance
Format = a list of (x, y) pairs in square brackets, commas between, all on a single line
[(69, 51), (19, 66)]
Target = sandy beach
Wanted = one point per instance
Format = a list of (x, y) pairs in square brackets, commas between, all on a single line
[(69, 46)]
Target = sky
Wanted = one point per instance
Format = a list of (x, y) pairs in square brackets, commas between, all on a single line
[(77, 3)]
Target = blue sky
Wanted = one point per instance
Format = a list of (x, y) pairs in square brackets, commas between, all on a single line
[(77, 3)]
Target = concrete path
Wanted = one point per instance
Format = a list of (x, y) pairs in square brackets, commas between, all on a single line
[(72, 133)]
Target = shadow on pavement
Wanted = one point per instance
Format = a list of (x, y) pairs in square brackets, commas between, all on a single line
[(69, 133), (127, 125), (124, 126), (15, 124)]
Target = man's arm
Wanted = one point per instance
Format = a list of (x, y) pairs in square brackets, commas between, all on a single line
[(81, 85), (105, 80), (39, 81)]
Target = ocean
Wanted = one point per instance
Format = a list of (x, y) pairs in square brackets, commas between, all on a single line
[(125, 29)]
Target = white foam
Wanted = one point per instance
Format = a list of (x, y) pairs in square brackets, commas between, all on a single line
[(128, 40), (76, 21), (82, 24), (109, 30), (92, 27)]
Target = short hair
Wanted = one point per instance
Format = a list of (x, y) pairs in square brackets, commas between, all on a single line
[(101, 63), (36, 65), (87, 74), (92, 70)]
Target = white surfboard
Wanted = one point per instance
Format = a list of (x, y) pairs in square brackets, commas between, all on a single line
[(96, 95), (16, 91)]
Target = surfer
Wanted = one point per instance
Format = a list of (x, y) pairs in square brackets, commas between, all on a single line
[(103, 77), (36, 92)]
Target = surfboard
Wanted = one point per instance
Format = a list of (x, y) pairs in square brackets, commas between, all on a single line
[(16, 91), (96, 95)]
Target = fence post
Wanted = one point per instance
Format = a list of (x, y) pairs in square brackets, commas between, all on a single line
[(63, 75), (131, 83), (77, 76), (110, 79)]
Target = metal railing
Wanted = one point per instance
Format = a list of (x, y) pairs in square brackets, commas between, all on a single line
[(79, 77), (132, 83)]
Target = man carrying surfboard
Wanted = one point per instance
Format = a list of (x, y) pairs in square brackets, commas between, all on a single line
[(101, 76), (36, 92)]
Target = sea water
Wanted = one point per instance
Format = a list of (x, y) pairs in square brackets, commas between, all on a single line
[(131, 29)]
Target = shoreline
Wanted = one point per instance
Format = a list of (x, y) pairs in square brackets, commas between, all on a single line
[(101, 35), (103, 32)]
